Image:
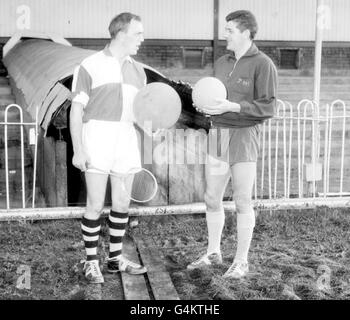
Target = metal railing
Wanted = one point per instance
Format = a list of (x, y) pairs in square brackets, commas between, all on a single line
[(296, 152), (302, 164), (34, 140)]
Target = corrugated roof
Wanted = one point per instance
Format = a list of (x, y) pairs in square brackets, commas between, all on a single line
[(37, 66)]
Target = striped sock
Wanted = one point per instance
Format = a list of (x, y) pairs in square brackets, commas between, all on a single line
[(91, 232), (117, 223)]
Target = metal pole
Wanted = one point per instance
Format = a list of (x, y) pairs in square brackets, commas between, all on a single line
[(321, 21), (317, 72), (193, 208), (216, 30), (6, 164), (318, 50), (36, 128)]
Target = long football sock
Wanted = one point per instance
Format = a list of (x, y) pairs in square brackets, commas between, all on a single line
[(117, 223), (91, 232), (245, 228), (215, 225)]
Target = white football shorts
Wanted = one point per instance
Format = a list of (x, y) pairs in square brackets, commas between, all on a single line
[(111, 146)]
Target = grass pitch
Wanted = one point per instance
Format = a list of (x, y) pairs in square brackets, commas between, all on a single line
[(297, 255)]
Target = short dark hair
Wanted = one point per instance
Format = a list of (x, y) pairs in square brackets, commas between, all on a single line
[(121, 23), (245, 20)]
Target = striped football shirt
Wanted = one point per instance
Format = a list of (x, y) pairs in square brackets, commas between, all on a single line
[(106, 89)]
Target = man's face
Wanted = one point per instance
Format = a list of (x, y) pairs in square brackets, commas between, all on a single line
[(234, 37), (133, 37)]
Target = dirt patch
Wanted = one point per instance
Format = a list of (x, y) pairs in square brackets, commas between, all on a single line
[(297, 255)]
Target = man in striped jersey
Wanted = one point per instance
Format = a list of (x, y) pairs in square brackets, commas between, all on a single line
[(104, 137)]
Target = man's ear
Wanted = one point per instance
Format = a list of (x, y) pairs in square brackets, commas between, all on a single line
[(246, 32), (120, 35)]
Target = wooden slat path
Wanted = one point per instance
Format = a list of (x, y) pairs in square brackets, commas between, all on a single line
[(134, 286), (159, 279), (156, 284)]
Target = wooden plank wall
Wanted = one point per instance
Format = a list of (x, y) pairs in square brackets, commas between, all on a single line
[(186, 166), (52, 171), (49, 170), (61, 173)]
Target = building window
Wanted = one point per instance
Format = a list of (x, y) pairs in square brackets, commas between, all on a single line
[(193, 57), (289, 58)]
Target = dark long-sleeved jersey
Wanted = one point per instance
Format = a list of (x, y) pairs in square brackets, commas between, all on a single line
[(252, 82)]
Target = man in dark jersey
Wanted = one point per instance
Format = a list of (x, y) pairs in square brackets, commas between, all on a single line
[(250, 78)]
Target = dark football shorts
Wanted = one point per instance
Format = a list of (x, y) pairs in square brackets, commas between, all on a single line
[(234, 145)]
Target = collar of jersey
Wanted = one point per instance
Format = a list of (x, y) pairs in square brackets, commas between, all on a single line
[(108, 53)]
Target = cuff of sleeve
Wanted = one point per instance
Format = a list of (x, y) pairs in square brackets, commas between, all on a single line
[(81, 97), (244, 106)]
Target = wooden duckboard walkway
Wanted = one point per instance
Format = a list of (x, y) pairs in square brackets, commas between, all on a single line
[(156, 283)]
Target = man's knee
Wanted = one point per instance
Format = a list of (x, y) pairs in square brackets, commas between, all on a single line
[(94, 208), (244, 203), (120, 205), (212, 201), (120, 208)]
